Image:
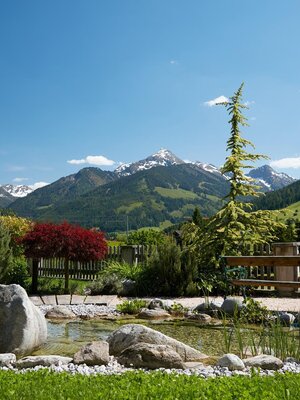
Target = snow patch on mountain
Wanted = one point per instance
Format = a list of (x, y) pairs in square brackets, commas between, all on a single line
[(17, 190)]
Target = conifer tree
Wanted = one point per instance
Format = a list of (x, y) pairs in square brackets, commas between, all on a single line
[(235, 225)]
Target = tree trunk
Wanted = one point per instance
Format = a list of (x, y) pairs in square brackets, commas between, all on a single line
[(66, 264)]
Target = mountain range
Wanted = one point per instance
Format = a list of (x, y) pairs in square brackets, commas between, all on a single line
[(157, 191)]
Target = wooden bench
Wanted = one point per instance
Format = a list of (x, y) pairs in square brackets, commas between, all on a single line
[(242, 264)]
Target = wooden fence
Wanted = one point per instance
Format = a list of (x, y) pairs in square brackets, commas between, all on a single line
[(54, 267)]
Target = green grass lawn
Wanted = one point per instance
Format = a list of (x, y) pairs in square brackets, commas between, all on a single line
[(43, 385)]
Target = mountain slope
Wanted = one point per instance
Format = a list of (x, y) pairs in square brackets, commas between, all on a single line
[(65, 188), (268, 179), (5, 198), (147, 198)]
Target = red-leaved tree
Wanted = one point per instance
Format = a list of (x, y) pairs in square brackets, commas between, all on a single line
[(70, 242)]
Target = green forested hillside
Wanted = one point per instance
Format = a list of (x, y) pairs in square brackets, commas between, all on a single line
[(147, 198), (280, 198), (65, 188)]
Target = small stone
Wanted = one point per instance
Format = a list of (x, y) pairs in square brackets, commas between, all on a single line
[(232, 362), (153, 314), (60, 312), (94, 353), (45, 361), (7, 359), (204, 318)]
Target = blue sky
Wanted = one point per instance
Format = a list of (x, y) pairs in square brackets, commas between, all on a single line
[(123, 78)]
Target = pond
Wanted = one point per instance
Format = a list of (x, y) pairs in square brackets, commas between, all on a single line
[(65, 338)]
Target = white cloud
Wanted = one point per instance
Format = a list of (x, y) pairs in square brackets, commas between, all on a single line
[(249, 102), (20, 179), (292, 162), (38, 185), (93, 160), (216, 101), (174, 62)]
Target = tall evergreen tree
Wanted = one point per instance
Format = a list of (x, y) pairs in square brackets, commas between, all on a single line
[(235, 226), (5, 251)]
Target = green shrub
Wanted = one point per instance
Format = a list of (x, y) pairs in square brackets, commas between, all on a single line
[(146, 237), (254, 312), (106, 284), (18, 272), (131, 306)]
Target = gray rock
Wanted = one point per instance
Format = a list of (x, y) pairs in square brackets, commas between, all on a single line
[(145, 355), (22, 325), (203, 318), (160, 304), (153, 314), (232, 305), (60, 312), (208, 306), (7, 359), (128, 287), (264, 361), (131, 334), (286, 319), (94, 353), (45, 361), (232, 362)]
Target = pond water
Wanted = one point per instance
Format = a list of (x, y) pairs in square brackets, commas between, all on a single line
[(65, 338)]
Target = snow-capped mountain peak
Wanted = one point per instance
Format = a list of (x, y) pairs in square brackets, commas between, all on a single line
[(268, 179), (208, 167), (17, 190), (163, 157)]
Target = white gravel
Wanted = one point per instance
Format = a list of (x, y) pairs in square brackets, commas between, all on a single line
[(114, 367)]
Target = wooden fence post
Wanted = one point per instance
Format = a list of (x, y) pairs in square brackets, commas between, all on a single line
[(286, 273), (34, 280)]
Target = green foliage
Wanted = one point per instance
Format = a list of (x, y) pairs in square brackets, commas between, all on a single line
[(254, 312), (110, 279), (197, 218), (146, 237), (18, 272), (43, 384), (131, 306), (177, 310), (233, 227), (5, 251), (272, 338), (171, 271)]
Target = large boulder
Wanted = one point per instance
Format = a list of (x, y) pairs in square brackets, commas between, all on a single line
[(264, 361), (152, 356), (94, 353), (132, 334), (23, 327)]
